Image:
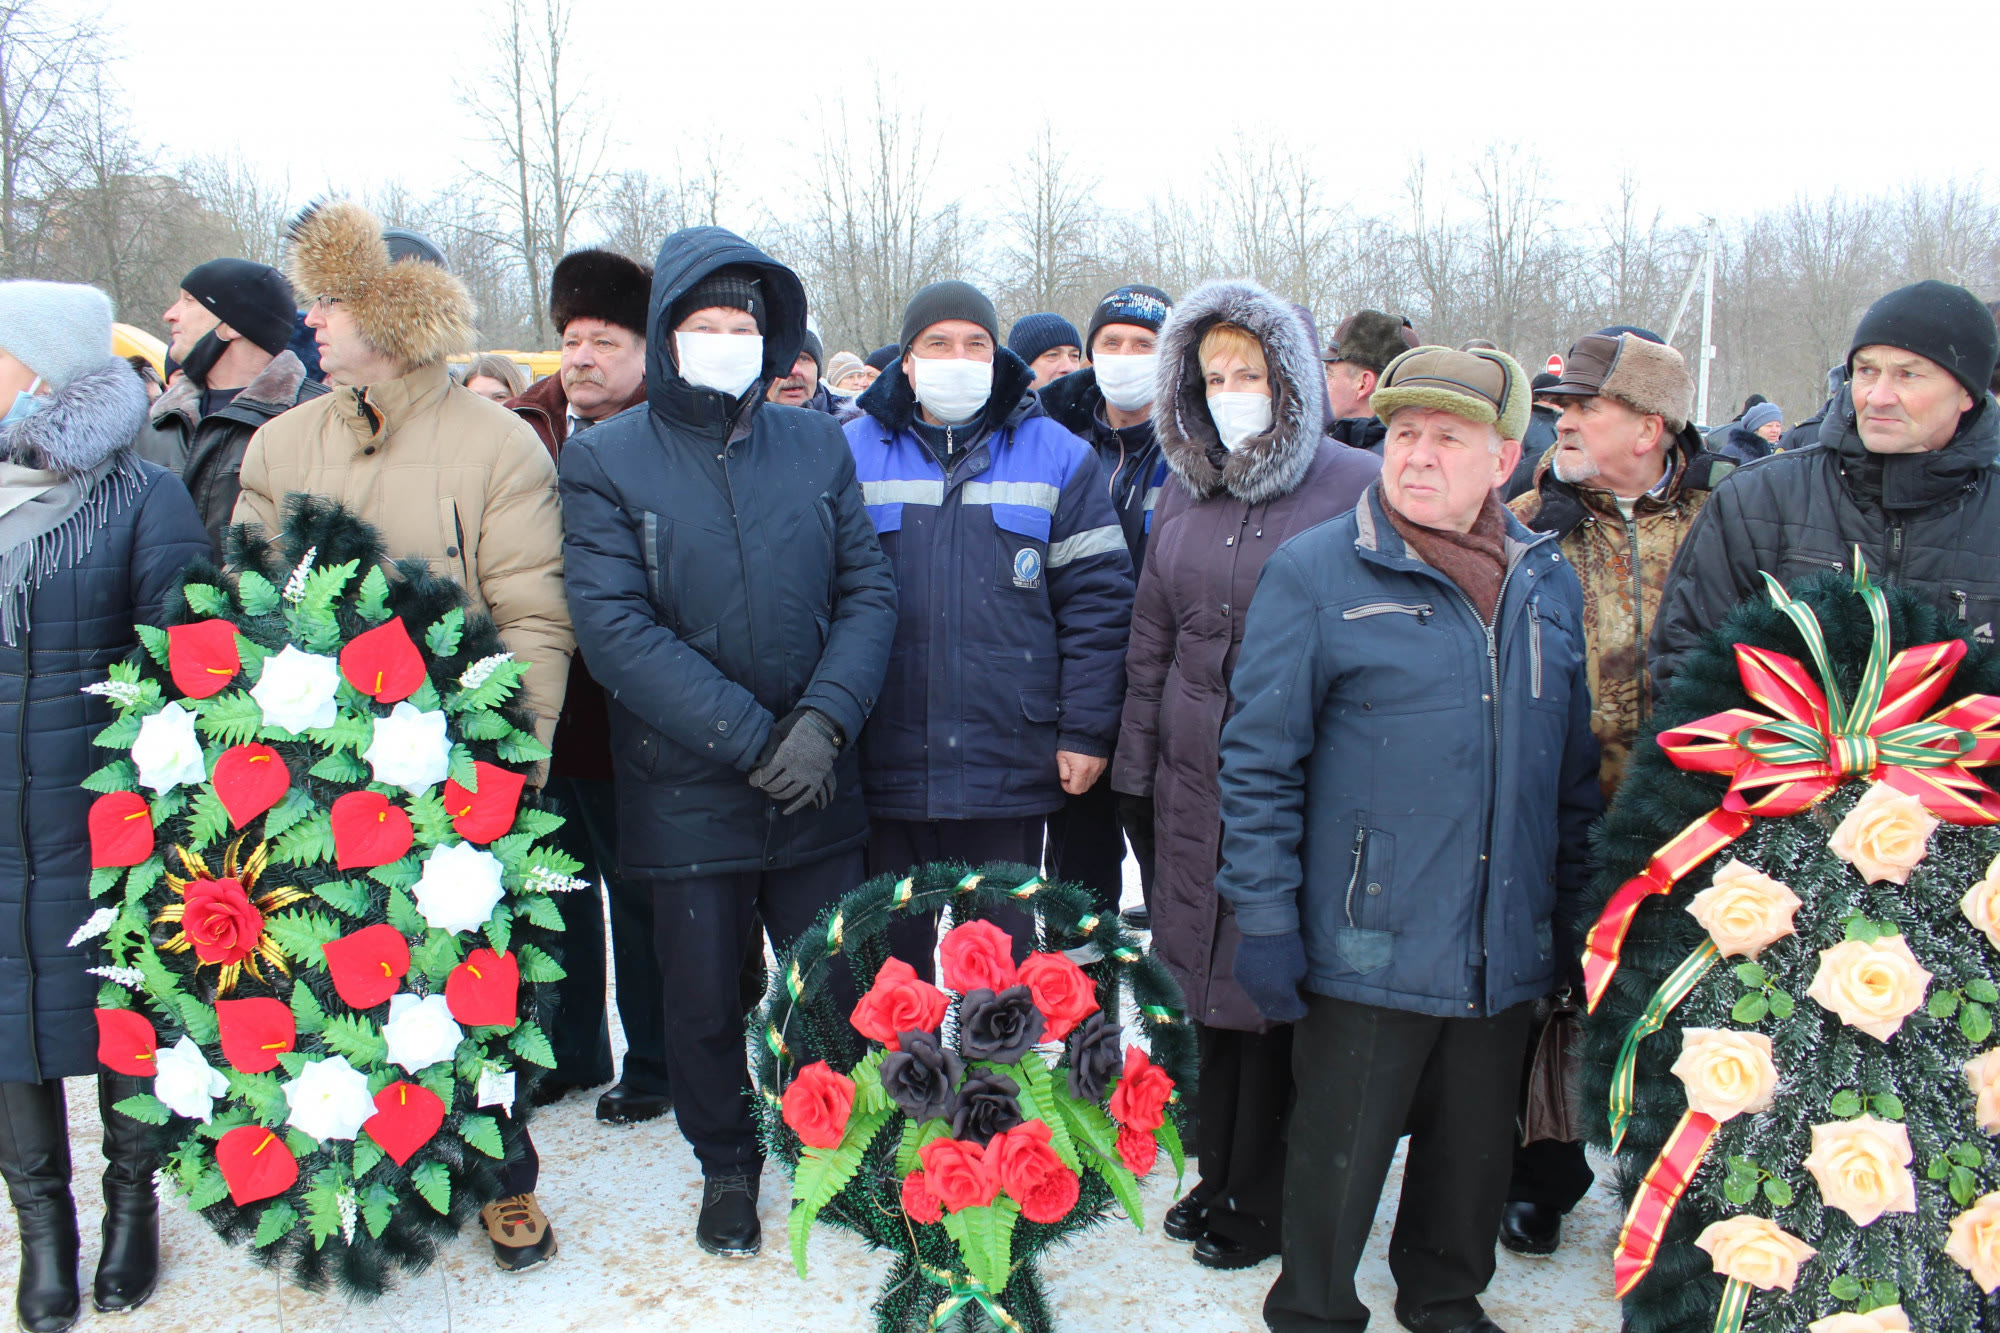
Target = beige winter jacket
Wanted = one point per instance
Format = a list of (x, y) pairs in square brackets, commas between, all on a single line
[(446, 475)]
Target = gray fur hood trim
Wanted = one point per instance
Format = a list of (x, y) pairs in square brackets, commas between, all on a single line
[(1267, 466), (82, 426)]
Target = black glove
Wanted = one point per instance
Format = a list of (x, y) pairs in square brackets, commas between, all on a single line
[(797, 761), (1269, 968), (1135, 816)]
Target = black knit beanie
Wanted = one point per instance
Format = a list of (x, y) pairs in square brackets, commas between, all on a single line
[(1936, 320), (949, 300), (883, 357), (254, 299), (815, 349), (729, 287)]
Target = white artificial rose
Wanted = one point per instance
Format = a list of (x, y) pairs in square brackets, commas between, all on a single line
[(410, 749), (329, 1099), (296, 690), (186, 1082), (420, 1032), (459, 887), (167, 752)]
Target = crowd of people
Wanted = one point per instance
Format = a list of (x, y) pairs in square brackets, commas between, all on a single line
[(1346, 641)]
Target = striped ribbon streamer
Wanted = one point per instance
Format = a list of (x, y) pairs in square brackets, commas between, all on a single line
[(1659, 1194), (1672, 991), (1735, 1303)]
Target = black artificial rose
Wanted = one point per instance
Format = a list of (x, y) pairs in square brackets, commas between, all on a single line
[(1096, 1056), (1001, 1028), (986, 1106), (920, 1077)]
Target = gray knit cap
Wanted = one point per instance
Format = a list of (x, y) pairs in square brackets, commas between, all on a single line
[(59, 330)]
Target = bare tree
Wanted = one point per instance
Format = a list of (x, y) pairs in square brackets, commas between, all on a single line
[(547, 166), (1278, 226), (637, 210), (870, 231), (253, 206), (1049, 256), (43, 61), (1519, 260)]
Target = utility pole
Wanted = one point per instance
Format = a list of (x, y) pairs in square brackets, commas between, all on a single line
[(1707, 328)]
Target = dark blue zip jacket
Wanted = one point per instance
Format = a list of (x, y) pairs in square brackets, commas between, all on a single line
[(721, 571), (1135, 470), (1015, 600), (1428, 841)]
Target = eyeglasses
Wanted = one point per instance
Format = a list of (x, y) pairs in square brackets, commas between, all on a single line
[(323, 302)]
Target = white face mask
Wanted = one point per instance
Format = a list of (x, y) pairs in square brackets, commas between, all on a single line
[(1127, 381), (726, 362), (952, 388), (1239, 416)]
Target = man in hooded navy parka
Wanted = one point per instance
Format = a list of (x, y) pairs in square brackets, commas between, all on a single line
[(730, 594)]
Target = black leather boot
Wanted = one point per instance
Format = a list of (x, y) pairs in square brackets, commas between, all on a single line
[(728, 1226), (130, 1262), (34, 1158)]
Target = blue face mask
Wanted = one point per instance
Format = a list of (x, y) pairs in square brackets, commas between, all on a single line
[(26, 404)]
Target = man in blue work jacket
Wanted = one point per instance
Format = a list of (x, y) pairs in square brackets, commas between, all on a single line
[(1015, 598)]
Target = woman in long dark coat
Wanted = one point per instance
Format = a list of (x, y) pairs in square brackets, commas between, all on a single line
[(91, 540), (1238, 414)]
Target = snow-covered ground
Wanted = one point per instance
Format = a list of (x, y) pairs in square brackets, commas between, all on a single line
[(623, 1202)]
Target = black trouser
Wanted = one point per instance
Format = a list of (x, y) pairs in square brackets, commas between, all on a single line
[(701, 930), (523, 1170), (581, 1038), (1086, 847), (899, 845), (1366, 1076), (1140, 834), (1244, 1100), (1551, 1173)]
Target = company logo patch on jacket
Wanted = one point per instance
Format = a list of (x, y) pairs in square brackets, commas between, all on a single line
[(1027, 568)]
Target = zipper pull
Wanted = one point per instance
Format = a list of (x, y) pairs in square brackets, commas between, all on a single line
[(1958, 596)]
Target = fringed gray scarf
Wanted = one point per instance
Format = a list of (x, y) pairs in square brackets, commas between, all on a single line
[(48, 521)]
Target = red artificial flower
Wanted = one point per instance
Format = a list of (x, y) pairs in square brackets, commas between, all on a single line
[(255, 1164), (1138, 1149), (918, 1201), (406, 1117), (255, 1032), (250, 779), (1062, 992), (1140, 1100), (126, 1043), (220, 921), (121, 830), (369, 830), (484, 990), (900, 1001), (958, 1173), (382, 662), (1032, 1174), (817, 1105), (368, 965), (978, 955), (202, 657), (483, 815)]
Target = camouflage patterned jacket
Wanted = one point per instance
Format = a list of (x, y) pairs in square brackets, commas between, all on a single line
[(1624, 569)]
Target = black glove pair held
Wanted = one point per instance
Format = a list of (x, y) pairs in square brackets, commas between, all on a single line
[(796, 764)]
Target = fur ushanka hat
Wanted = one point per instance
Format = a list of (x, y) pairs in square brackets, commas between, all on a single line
[(407, 309), (600, 284)]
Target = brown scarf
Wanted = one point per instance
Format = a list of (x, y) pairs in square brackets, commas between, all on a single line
[(1476, 561)]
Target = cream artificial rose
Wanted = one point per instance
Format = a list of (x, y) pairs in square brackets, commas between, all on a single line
[(296, 690), (1884, 835), (1872, 985), (1975, 1241), (1754, 1250), (1888, 1319), (1726, 1073), (186, 1082), (410, 749), (420, 1032), (329, 1099), (459, 887), (1862, 1167), (1981, 903), (1744, 911), (167, 752), (1983, 1073)]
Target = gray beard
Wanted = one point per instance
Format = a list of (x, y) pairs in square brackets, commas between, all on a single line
[(1576, 476)]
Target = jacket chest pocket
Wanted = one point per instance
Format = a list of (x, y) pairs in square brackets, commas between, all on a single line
[(1407, 660), (1977, 612), (1552, 654), (1020, 551), (458, 560)]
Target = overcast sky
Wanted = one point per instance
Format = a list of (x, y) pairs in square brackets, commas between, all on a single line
[(1717, 107)]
